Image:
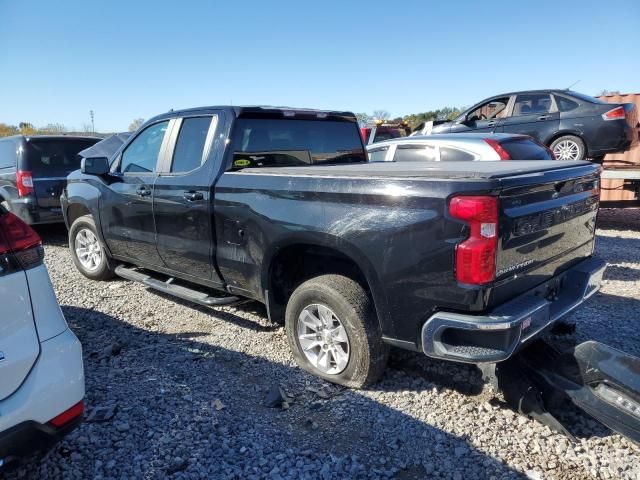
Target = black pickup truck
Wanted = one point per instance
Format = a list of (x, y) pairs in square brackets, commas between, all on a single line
[(464, 261)]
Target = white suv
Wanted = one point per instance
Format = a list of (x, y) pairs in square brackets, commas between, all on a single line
[(41, 374)]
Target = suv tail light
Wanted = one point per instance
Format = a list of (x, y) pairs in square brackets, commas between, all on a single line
[(615, 114), (24, 181), (476, 256), (68, 415), (20, 241), (495, 144)]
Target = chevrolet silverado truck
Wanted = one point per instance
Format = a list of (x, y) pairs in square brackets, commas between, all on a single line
[(463, 261)]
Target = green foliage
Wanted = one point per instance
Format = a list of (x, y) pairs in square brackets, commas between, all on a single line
[(414, 119)]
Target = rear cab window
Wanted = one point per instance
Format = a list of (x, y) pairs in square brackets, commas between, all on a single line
[(276, 142), (53, 157)]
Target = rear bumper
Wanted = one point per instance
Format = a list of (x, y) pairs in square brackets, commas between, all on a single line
[(29, 211), (54, 385), (495, 336), (29, 437)]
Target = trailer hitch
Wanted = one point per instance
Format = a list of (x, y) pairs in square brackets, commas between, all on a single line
[(598, 379)]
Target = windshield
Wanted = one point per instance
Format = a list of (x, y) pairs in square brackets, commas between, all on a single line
[(259, 142), (55, 157)]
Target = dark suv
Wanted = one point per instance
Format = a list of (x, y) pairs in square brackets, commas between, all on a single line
[(573, 125), (33, 173)]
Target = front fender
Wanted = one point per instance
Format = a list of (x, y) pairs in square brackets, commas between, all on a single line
[(85, 195)]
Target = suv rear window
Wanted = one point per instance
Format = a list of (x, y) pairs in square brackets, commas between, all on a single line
[(260, 142), (525, 149), (54, 157)]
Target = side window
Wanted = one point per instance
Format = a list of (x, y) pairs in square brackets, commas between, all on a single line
[(142, 154), (565, 105), (496, 108), (415, 153), (7, 154), (532, 104), (378, 154), (451, 154), (189, 151)]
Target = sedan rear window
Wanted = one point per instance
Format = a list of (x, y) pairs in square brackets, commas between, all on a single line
[(525, 149), (259, 142), (54, 157)]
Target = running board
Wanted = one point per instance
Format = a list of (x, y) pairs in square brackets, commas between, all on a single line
[(598, 379), (180, 291)]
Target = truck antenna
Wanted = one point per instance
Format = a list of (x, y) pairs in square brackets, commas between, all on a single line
[(573, 84)]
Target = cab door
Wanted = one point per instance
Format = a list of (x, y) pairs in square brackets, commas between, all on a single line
[(533, 114), (126, 206), (183, 200)]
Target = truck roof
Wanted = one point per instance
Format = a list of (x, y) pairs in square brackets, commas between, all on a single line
[(259, 110)]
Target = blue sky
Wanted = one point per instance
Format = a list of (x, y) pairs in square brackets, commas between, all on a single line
[(128, 59)]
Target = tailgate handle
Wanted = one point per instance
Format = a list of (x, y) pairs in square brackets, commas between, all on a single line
[(193, 196)]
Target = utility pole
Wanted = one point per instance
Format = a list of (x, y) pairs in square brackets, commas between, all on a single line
[(93, 127)]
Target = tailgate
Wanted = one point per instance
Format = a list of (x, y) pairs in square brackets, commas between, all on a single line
[(48, 190), (546, 226)]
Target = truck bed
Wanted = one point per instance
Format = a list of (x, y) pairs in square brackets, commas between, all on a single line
[(429, 170)]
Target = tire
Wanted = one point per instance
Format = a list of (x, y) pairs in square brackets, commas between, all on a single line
[(84, 227), (353, 309), (568, 147)]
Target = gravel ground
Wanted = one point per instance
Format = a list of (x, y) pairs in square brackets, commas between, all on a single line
[(179, 391)]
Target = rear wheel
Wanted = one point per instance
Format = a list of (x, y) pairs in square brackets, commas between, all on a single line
[(333, 331), (87, 252), (568, 147)]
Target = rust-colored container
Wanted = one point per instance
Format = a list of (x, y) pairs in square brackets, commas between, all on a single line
[(612, 189)]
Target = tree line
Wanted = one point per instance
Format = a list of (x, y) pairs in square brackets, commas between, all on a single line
[(413, 119), (26, 128)]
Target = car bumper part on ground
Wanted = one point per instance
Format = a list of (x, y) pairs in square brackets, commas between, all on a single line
[(494, 337), (54, 385)]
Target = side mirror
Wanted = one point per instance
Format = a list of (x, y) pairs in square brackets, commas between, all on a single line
[(95, 166)]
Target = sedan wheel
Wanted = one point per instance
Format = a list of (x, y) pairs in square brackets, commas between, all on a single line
[(567, 150)]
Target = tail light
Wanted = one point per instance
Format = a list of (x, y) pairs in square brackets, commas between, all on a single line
[(476, 256), (18, 242), (68, 415), (495, 144), (615, 114), (24, 181)]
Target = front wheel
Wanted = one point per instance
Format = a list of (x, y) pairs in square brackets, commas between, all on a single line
[(87, 252), (568, 147), (333, 331)]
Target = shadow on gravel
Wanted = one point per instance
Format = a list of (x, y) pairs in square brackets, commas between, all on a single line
[(619, 219), (53, 234), (616, 272), (190, 407)]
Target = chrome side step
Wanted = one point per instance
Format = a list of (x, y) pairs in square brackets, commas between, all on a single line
[(171, 288)]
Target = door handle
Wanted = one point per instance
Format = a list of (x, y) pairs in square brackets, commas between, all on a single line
[(491, 124), (143, 191), (543, 117), (193, 196)]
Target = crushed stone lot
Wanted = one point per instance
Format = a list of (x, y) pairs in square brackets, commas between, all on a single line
[(176, 390)]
